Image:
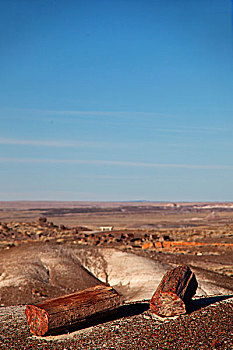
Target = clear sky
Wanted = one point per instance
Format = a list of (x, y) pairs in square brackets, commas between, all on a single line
[(116, 100)]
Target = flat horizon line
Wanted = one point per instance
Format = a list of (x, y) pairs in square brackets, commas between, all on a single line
[(113, 201)]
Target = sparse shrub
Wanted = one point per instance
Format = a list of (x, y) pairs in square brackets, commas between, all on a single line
[(42, 220)]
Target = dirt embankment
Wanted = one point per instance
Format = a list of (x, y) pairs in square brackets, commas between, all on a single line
[(34, 272)]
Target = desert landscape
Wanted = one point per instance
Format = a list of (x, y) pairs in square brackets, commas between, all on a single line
[(51, 249), (116, 195)]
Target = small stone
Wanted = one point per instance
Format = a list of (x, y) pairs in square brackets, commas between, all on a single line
[(42, 220), (147, 317), (217, 343), (39, 233)]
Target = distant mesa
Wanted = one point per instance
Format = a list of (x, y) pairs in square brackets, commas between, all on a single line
[(172, 205)]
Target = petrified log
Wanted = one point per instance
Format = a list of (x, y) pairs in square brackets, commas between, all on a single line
[(71, 310), (174, 292)]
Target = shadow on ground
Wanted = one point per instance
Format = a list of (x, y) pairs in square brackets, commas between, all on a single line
[(197, 304)]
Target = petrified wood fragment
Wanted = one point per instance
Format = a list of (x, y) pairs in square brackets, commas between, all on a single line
[(72, 309), (174, 292)]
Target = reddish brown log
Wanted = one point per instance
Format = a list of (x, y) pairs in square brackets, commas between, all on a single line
[(72, 309), (174, 292)]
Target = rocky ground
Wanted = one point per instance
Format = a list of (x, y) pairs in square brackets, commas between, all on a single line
[(134, 327)]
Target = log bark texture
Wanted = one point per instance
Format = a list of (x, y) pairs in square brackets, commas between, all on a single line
[(72, 309), (174, 292)]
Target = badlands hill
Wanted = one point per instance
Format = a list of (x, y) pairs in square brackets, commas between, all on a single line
[(34, 272)]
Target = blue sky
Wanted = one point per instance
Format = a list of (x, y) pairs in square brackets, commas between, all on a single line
[(116, 100)]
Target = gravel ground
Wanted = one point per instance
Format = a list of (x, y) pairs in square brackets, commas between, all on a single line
[(133, 327)]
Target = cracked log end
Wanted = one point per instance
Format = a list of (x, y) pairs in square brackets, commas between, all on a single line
[(38, 320), (167, 304)]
